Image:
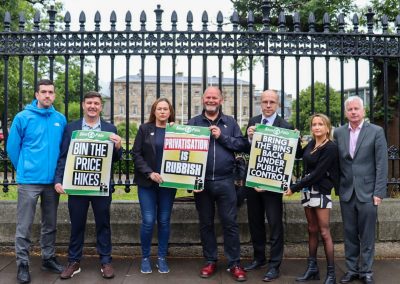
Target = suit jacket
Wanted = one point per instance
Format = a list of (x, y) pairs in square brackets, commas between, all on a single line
[(77, 125), (144, 154), (278, 122), (366, 173)]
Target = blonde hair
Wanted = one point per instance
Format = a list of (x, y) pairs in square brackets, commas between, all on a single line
[(327, 123)]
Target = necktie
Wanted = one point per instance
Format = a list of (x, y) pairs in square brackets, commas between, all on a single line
[(265, 121)]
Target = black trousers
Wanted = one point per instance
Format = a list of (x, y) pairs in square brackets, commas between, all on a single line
[(259, 205)]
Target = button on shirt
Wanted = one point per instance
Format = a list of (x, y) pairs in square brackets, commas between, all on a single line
[(353, 138), (96, 127)]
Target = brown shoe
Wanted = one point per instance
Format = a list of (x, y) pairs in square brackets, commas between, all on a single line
[(107, 271), (71, 269)]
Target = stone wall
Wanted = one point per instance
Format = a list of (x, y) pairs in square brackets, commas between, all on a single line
[(184, 239)]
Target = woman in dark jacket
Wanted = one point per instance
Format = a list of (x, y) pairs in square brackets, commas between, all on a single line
[(320, 159), (155, 202)]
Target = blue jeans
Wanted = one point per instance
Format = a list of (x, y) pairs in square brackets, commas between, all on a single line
[(155, 204), (220, 194)]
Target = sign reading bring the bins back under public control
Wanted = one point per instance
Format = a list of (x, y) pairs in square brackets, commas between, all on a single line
[(185, 156), (88, 166), (273, 151)]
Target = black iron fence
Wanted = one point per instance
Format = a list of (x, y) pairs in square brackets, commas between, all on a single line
[(347, 46)]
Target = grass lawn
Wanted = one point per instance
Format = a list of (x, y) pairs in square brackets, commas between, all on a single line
[(120, 194)]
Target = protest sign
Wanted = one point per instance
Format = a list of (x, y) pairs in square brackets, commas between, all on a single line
[(272, 156), (88, 166), (185, 156)]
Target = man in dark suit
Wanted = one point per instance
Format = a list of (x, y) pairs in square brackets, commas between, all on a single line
[(262, 202), (78, 205), (363, 164)]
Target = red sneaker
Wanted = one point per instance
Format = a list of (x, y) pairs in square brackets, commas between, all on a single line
[(238, 273), (208, 270)]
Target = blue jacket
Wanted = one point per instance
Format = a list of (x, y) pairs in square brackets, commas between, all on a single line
[(221, 158), (33, 145)]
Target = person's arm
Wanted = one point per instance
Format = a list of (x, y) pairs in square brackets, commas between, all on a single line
[(117, 151), (140, 163), (14, 141), (62, 159), (236, 142), (381, 165), (326, 159)]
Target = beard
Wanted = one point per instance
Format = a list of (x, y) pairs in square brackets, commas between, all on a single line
[(211, 109)]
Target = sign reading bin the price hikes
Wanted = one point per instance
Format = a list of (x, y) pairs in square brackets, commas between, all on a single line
[(185, 156), (88, 166), (272, 156)]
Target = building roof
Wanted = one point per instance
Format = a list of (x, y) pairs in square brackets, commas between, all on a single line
[(180, 79)]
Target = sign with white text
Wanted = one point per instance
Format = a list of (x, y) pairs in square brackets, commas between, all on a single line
[(273, 151), (88, 166), (185, 156)]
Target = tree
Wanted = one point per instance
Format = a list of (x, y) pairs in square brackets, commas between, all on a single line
[(121, 130), (320, 106), (304, 8)]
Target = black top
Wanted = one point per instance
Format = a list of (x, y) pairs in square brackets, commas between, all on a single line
[(321, 168), (160, 135)]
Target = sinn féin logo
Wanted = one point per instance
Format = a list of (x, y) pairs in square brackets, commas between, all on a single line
[(91, 134)]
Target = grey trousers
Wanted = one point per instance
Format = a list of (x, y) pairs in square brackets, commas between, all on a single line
[(28, 195)]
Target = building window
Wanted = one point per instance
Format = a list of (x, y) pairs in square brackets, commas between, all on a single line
[(244, 110), (134, 109), (197, 109), (121, 109)]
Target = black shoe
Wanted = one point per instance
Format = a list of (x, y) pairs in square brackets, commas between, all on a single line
[(368, 279), (272, 274), (23, 275), (52, 265), (255, 265), (348, 277)]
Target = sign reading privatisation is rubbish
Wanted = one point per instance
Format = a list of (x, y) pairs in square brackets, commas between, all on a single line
[(88, 166), (272, 155), (185, 156)]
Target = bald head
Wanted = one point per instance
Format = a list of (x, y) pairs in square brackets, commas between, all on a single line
[(269, 102), (212, 101)]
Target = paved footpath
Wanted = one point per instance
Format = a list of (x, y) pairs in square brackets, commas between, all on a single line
[(183, 270)]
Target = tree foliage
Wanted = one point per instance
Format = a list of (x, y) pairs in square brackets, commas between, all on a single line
[(289, 7), (320, 104)]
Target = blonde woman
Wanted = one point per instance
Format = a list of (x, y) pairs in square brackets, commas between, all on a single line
[(320, 159)]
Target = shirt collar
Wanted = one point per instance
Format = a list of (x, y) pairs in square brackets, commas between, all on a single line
[(270, 119), (86, 126), (358, 127)]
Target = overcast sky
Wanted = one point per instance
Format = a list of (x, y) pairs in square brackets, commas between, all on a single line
[(105, 7)]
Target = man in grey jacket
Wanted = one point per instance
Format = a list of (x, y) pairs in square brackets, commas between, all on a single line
[(363, 164)]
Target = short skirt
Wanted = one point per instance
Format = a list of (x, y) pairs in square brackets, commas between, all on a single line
[(315, 199)]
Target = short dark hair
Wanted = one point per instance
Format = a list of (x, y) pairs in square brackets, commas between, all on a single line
[(92, 94), (45, 82)]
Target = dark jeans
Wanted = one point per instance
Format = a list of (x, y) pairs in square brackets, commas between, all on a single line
[(78, 209), (259, 205), (223, 194), (155, 204)]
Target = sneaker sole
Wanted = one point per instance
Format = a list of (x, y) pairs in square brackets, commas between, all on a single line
[(72, 275), (146, 272)]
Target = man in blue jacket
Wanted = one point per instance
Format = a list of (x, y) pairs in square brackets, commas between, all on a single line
[(33, 148), (226, 138), (78, 205)]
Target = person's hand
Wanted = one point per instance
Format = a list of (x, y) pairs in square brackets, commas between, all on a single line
[(215, 131), (59, 188), (197, 190), (258, 189), (117, 140), (171, 123), (288, 192), (377, 200), (250, 132), (156, 177)]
